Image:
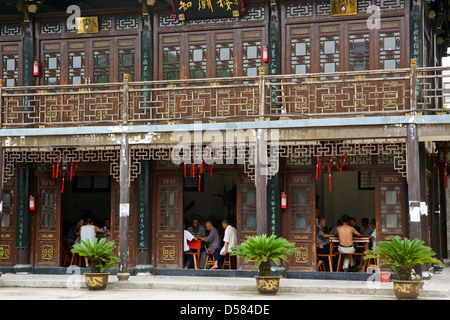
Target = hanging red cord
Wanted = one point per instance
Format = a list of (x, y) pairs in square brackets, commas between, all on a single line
[(199, 182), (185, 170), (62, 184), (343, 162)]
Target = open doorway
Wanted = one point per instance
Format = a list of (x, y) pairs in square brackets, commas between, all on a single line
[(209, 198), (215, 201), (86, 196), (352, 193)]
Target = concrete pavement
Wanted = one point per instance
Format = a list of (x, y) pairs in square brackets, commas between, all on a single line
[(436, 288)]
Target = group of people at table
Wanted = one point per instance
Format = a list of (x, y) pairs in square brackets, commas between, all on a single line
[(345, 233), (212, 242)]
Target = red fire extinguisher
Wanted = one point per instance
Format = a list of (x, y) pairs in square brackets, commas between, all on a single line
[(265, 54), (35, 68), (283, 200), (32, 206)]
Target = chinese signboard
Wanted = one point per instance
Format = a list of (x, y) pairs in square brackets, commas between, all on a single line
[(206, 9)]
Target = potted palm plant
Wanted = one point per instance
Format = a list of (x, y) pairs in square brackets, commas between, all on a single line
[(102, 258), (262, 250), (402, 255)]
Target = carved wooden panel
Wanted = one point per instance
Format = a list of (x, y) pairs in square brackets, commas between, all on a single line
[(47, 223), (298, 219), (169, 220), (8, 225)]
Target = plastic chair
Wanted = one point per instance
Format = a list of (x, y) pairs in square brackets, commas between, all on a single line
[(195, 245)]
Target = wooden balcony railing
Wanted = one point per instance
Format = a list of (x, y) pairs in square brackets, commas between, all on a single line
[(343, 94)]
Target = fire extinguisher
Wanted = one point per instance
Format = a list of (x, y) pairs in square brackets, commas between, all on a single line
[(283, 200), (35, 68), (32, 206), (265, 54)]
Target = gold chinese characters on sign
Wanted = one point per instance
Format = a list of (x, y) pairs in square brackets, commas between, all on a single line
[(344, 7), (87, 25)]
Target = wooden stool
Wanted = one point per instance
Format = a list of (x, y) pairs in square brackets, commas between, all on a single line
[(74, 256), (227, 261), (320, 265), (209, 259)]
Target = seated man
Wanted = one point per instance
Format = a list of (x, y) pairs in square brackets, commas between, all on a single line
[(322, 242), (74, 234), (197, 230), (230, 240), (212, 241), (189, 259), (345, 234)]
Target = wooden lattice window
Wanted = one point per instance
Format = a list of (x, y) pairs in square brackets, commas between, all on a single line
[(224, 60), (389, 50), (300, 55), (101, 66), (300, 208), (52, 68), (248, 209), (10, 69), (47, 209), (171, 63), (169, 208), (359, 51), (76, 67), (197, 61), (391, 209)]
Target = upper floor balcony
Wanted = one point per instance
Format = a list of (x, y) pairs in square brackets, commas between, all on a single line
[(265, 97)]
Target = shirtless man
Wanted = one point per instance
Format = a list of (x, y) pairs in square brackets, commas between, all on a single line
[(345, 234)]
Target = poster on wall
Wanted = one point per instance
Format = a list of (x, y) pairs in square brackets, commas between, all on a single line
[(207, 9)]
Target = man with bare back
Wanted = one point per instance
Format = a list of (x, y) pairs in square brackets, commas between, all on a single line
[(345, 234)]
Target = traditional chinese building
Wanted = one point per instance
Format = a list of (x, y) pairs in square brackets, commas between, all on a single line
[(153, 113)]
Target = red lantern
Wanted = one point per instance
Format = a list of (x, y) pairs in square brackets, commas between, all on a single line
[(35, 68), (265, 54), (283, 201), (32, 206)]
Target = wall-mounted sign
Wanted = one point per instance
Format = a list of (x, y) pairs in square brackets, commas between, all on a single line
[(87, 25), (344, 7), (207, 9)]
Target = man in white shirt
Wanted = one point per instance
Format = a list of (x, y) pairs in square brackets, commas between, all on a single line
[(230, 241), (188, 258)]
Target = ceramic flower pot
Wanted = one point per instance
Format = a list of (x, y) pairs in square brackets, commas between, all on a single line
[(404, 289), (268, 284), (96, 281)]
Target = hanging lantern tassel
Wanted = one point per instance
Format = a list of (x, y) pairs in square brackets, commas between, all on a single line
[(193, 170), (201, 168), (185, 170), (199, 181), (343, 162), (329, 181), (53, 169), (71, 171), (62, 184), (318, 167)]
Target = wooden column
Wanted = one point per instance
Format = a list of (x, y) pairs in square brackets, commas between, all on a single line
[(273, 185), (124, 211)]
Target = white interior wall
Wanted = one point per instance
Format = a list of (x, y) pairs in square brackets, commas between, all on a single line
[(345, 198)]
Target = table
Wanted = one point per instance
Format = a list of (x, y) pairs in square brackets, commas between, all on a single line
[(363, 240)]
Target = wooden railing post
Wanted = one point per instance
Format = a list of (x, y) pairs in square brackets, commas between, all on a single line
[(262, 93), (413, 87)]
